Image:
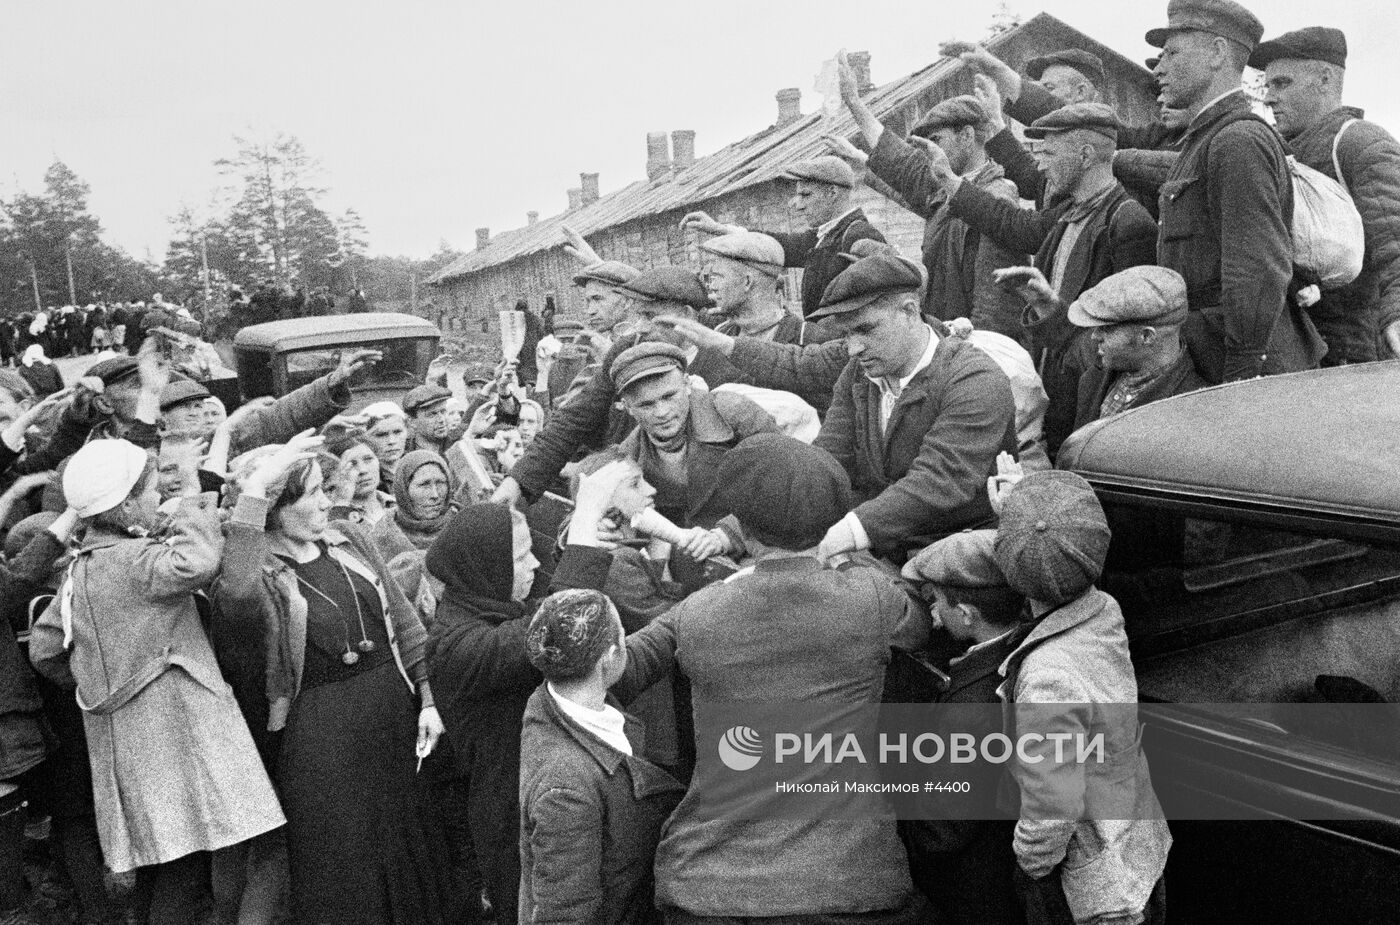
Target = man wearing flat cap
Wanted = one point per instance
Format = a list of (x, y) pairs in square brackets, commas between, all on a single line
[(1091, 229), (821, 199), (743, 272), (1226, 204), (959, 261), (1133, 319), (917, 418), (426, 408), (1303, 78), (682, 433), (589, 421)]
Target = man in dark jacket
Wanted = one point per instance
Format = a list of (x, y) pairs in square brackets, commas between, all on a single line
[(822, 190), (682, 433), (960, 263), (1227, 204), (743, 276), (588, 421), (733, 851), (1135, 320), (1303, 77), (1092, 230), (917, 418)]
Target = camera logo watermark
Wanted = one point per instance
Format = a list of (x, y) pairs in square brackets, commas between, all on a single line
[(740, 748)]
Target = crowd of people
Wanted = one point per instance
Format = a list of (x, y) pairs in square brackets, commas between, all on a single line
[(340, 664)]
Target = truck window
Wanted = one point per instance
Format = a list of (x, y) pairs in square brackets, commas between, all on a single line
[(404, 364), (1230, 613)]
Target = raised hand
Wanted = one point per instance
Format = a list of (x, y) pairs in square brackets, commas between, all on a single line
[(697, 333), (1029, 281), (351, 363), (579, 249), (1009, 474), (843, 148), (702, 222), (938, 164), (989, 98)]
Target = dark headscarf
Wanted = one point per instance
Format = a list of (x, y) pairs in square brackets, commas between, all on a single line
[(473, 557), (420, 531)]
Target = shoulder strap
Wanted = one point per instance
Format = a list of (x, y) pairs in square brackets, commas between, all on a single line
[(1336, 146)]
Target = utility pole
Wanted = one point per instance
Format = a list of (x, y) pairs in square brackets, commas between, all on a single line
[(34, 278)]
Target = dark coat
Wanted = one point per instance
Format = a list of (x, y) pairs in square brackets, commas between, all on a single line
[(718, 421), (1118, 235), (1096, 383), (25, 738), (1227, 209), (959, 261), (482, 680), (962, 859), (590, 820), (590, 420), (1350, 318), (928, 477), (727, 638), (43, 378), (821, 261)]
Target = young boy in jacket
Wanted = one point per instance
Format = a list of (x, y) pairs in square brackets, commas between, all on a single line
[(1091, 842)]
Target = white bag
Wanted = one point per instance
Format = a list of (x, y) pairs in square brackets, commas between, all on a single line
[(512, 334), (1329, 240)]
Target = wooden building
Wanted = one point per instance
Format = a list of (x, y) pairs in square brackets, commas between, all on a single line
[(638, 224)]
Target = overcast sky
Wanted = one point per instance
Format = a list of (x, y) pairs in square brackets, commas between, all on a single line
[(435, 118)]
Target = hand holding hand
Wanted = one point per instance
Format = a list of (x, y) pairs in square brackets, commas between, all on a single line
[(701, 544)]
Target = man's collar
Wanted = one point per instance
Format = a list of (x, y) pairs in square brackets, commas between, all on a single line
[(829, 227), (1206, 110)]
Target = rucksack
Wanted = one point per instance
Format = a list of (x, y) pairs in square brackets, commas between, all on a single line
[(1329, 241)]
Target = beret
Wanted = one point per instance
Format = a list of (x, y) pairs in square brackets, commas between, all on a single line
[(867, 280), (608, 272), (828, 169), (101, 475), (114, 369), (644, 361), (752, 247), (785, 492), (1093, 117), (1091, 66), (1144, 294), (668, 284), (1315, 43), (962, 560), (954, 112), (424, 397), (382, 409), (180, 391), (1053, 537), (1224, 18)]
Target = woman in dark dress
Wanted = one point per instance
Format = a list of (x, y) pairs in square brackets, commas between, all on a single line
[(346, 687)]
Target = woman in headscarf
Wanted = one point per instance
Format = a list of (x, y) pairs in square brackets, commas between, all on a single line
[(346, 686), (478, 665), (38, 370), (175, 771), (423, 491)]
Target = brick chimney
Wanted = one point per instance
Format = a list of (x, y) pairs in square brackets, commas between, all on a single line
[(575, 199), (483, 238), (860, 63), (531, 218), (658, 155), (588, 182), (683, 148), (789, 105)]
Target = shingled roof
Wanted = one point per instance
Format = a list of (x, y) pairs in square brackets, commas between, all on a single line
[(759, 158)]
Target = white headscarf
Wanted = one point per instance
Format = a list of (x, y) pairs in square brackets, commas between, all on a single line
[(101, 475), (34, 353)]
